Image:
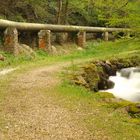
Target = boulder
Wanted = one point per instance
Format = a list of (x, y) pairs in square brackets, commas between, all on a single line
[(137, 69), (127, 71), (26, 50), (110, 84), (52, 50), (104, 83)]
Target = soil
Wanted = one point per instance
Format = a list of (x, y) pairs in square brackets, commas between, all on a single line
[(28, 114)]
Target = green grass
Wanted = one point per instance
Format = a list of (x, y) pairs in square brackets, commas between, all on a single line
[(96, 50), (92, 110)]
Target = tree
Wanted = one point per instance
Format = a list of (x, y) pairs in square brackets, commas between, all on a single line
[(59, 4), (117, 12)]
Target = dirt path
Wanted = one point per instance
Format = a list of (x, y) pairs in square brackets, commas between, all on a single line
[(30, 115)]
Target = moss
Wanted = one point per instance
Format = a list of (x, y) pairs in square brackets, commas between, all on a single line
[(105, 95), (117, 104), (79, 80), (91, 76), (134, 121), (133, 109)]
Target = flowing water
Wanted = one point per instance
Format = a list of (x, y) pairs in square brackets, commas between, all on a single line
[(127, 84)]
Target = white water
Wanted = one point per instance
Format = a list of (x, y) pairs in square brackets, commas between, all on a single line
[(127, 88)]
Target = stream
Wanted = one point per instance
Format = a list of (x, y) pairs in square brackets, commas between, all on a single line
[(127, 84)]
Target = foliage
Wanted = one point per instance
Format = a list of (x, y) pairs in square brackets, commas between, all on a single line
[(116, 13)]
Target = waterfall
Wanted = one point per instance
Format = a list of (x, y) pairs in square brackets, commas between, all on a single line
[(127, 84)]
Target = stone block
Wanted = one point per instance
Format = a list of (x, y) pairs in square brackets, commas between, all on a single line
[(81, 39), (44, 41), (11, 40)]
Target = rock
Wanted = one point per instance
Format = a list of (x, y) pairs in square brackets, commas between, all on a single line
[(127, 71), (114, 70), (52, 50), (91, 76), (80, 81), (2, 58), (26, 50), (108, 62), (110, 84), (104, 83), (80, 49), (138, 105), (119, 65), (136, 69), (107, 68), (133, 109)]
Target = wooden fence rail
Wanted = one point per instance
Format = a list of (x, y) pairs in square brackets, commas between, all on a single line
[(59, 28)]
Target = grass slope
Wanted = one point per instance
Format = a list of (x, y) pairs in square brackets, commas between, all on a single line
[(95, 50), (101, 118)]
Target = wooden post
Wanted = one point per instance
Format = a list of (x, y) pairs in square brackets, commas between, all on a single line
[(44, 39), (11, 44), (81, 39), (106, 34)]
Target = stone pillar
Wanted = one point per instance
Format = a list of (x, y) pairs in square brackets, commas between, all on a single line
[(11, 41), (106, 34), (44, 39), (81, 39)]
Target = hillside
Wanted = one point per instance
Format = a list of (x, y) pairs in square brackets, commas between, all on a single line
[(38, 102)]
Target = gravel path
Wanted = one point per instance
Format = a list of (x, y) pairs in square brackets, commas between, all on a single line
[(30, 115)]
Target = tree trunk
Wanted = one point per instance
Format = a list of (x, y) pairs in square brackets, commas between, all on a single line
[(59, 3), (66, 12)]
